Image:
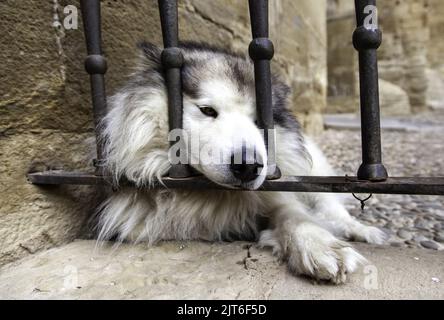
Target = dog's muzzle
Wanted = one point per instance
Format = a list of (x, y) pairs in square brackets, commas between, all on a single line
[(243, 168)]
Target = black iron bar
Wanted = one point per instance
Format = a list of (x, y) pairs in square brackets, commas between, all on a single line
[(95, 65), (172, 61), (261, 51), (393, 185), (367, 39)]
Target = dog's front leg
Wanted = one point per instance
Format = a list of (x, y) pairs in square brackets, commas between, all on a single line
[(308, 248), (335, 217)]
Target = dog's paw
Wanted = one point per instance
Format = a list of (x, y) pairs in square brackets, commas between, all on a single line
[(315, 252), (268, 239), (368, 234)]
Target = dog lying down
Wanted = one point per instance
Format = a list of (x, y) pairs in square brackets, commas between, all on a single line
[(307, 230)]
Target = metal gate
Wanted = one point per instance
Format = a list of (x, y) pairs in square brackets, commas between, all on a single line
[(371, 177)]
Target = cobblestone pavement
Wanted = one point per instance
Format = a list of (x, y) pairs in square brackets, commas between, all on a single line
[(414, 221)]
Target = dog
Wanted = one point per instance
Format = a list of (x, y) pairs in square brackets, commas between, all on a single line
[(307, 230)]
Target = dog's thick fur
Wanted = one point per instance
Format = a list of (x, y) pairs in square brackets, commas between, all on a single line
[(304, 229)]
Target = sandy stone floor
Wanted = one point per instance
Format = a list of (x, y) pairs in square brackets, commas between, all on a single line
[(203, 270), (414, 221)]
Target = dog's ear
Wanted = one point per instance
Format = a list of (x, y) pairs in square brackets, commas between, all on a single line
[(280, 92), (281, 113), (150, 53)]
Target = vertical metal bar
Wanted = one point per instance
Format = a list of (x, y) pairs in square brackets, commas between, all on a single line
[(261, 51), (172, 61), (367, 39), (95, 65)]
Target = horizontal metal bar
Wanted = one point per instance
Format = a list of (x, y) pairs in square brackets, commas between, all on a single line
[(58, 177), (401, 185)]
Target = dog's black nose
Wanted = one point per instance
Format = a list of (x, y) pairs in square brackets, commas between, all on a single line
[(244, 170)]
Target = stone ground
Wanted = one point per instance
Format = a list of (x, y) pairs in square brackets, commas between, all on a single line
[(202, 270), (412, 146)]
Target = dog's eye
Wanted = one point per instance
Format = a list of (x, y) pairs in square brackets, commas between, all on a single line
[(208, 111)]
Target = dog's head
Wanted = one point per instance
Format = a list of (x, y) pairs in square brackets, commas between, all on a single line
[(222, 138), (219, 117)]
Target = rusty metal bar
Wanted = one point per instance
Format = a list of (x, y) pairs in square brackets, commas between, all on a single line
[(367, 39), (95, 65), (172, 61), (261, 51), (394, 185)]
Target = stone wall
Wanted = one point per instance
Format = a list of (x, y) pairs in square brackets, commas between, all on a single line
[(343, 84), (435, 55), (410, 58), (46, 119)]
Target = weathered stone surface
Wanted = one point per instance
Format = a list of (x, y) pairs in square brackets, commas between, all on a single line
[(31, 217), (45, 110), (435, 89), (343, 85), (298, 30), (343, 77), (412, 42), (435, 46), (42, 125), (393, 100), (406, 32), (197, 270)]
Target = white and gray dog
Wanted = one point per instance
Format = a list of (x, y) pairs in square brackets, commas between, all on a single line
[(305, 229)]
